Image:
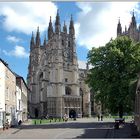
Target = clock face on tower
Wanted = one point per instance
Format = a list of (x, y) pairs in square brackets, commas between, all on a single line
[(66, 54)]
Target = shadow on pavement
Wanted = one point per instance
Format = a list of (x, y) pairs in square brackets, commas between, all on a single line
[(69, 125), (91, 129), (94, 133)]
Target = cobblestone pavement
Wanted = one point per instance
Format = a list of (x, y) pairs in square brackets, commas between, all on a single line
[(81, 128)]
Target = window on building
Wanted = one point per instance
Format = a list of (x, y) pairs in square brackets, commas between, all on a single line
[(68, 91), (7, 74), (41, 76), (81, 92), (13, 96), (69, 44), (19, 104), (62, 42), (41, 85), (7, 93), (66, 80)]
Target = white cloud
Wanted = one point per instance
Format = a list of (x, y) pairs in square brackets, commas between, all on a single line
[(83, 64), (27, 16), (18, 51), (97, 22), (13, 39)]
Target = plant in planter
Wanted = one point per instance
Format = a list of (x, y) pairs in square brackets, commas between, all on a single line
[(7, 114)]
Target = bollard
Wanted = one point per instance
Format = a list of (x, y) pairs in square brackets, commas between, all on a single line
[(35, 122), (3, 128), (116, 126)]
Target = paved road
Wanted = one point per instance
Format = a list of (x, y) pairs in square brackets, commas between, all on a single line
[(81, 128)]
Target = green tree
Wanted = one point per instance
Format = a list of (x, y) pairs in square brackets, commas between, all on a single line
[(115, 68)]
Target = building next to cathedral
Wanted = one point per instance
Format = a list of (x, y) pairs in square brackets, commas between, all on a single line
[(13, 97), (53, 75), (134, 33)]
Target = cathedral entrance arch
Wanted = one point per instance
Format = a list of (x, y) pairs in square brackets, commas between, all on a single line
[(72, 113), (36, 113)]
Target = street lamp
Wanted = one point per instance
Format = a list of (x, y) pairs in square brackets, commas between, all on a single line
[(82, 108)]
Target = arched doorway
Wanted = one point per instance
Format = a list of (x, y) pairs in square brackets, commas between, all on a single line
[(36, 113), (72, 113)]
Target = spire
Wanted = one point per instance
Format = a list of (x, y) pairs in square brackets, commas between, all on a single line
[(133, 13), (45, 41), (57, 23), (133, 23), (32, 42), (32, 38), (119, 28), (71, 27), (50, 29), (125, 28), (38, 37), (71, 22), (65, 28), (87, 66), (50, 23)]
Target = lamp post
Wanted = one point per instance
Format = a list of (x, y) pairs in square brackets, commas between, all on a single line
[(81, 93), (61, 107)]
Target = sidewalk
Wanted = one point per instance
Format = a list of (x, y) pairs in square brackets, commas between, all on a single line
[(128, 130), (8, 131)]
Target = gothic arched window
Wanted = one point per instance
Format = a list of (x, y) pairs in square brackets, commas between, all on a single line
[(41, 76), (62, 42), (69, 44), (40, 80), (81, 92), (68, 91)]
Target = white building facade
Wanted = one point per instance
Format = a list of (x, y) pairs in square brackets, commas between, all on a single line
[(13, 96), (2, 94), (21, 99), (8, 94)]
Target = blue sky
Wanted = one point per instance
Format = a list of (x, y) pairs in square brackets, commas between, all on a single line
[(95, 24)]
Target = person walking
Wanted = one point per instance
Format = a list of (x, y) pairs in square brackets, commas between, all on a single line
[(98, 117), (101, 117)]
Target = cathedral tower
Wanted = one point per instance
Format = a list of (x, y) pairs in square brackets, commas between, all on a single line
[(133, 32), (119, 28), (53, 76)]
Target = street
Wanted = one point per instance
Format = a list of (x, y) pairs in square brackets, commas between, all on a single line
[(81, 128)]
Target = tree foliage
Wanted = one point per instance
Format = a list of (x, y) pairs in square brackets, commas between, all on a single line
[(115, 68)]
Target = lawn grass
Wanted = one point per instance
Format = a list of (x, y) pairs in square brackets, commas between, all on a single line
[(45, 121), (126, 117)]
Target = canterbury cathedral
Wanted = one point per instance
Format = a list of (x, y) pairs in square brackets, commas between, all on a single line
[(133, 31), (57, 86)]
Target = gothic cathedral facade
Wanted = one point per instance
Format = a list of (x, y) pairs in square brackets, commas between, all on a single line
[(53, 74), (133, 32)]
